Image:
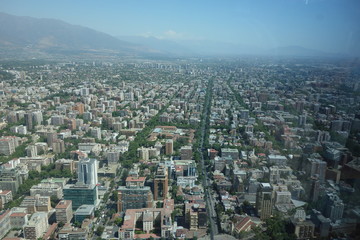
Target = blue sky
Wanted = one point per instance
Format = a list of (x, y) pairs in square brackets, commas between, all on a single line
[(327, 25)]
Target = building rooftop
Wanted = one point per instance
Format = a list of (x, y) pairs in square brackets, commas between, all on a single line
[(3, 214), (18, 214), (85, 210), (4, 192), (135, 179), (36, 217), (234, 150), (63, 204), (265, 185), (79, 185)]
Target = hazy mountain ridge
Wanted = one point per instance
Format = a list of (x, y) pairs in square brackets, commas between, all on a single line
[(28, 36), (55, 35), (300, 51)]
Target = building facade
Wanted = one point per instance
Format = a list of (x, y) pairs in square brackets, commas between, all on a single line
[(87, 171), (161, 183), (37, 226), (64, 211), (134, 195), (264, 201), (80, 194)]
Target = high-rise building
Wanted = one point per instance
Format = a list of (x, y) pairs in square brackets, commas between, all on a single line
[(302, 120), (84, 91), (113, 157), (134, 195), (322, 224), (8, 145), (169, 147), (31, 151), (143, 153), (33, 119), (37, 118), (87, 116), (299, 105), (334, 207), (18, 219), (57, 100), (57, 120), (316, 167), (5, 197), (195, 216), (336, 125), (96, 132), (58, 146), (244, 114), (64, 211), (71, 123), (264, 201), (29, 121), (80, 107), (80, 194), (186, 153), (50, 138), (160, 183), (65, 164), (302, 228), (314, 189), (37, 226), (11, 117), (87, 171), (5, 225), (322, 136), (10, 179)]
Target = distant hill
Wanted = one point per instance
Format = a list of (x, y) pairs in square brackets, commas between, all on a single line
[(162, 45), (181, 47), (299, 52), (28, 37), (55, 36)]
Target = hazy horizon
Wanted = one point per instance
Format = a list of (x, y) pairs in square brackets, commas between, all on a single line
[(329, 26)]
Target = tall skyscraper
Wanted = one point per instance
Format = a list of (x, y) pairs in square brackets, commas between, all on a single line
[(302, 120), (28, 121), (160, 183), (33, 119), (87, 171), (264, 201), (50, 138), (37, 117), (169, 147), (316, 167), (334, 207), (314, 190)]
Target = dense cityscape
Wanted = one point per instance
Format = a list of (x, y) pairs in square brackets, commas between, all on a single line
[(191, 148)]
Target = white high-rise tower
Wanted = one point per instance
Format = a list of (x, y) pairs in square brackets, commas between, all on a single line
[(87, 171)]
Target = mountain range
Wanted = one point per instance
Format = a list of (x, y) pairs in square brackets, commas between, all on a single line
[(35, 37)]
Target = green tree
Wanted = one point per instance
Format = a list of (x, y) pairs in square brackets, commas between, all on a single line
[(118, 221), (99, 230), (54, 201)]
